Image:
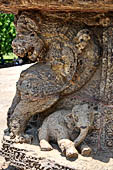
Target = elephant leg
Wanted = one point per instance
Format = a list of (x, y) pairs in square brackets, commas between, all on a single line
[(15, 101), (84, 149), (66, 145), (19, 119), (23, 111), (43, 138), (45, 146)]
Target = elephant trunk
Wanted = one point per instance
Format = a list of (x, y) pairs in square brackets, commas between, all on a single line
[(82, 135)]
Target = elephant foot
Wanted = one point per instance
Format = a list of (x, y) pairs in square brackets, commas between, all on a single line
[(45, 146), (24, 138), (85, 150), (71, 153), (67, 147)]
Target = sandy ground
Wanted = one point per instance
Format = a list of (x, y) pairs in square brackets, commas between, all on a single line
[(8, 79)]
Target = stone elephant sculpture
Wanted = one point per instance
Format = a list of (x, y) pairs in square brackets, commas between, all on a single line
[(60, 126)]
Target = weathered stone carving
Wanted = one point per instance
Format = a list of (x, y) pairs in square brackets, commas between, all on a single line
[(74, 67), (57, 5), (64, 67), (63, 125)]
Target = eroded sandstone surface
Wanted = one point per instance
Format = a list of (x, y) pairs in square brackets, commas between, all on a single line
[(73, 55)]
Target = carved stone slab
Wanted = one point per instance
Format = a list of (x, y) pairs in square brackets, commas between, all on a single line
[(25, 156), (57, 5)]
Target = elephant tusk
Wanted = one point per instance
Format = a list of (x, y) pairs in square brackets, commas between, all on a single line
[(82, 135)]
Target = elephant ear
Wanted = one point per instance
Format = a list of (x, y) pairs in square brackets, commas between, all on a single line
[(69, 121)]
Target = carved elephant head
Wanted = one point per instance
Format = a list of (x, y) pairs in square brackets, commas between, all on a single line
[(83, 117)]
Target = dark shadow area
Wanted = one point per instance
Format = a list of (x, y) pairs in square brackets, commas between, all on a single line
[(103, 156), (4, 63)]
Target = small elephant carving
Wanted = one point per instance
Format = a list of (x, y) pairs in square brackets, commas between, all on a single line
[(60, 126)]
